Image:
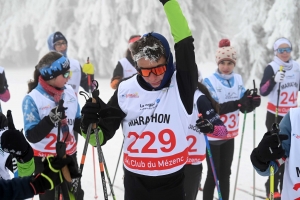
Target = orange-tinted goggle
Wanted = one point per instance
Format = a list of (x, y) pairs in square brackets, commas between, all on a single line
[(158, 70)]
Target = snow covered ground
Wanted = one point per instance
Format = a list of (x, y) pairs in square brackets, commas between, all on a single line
[(17, 80)]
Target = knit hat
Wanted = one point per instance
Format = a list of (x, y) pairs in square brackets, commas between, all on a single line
[(279, 42), (225, 52), (58, 36), (58, 67)]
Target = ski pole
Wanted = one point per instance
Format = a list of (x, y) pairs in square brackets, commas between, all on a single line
[(99, 150), (254, 133), (83, 156), (88, 69), (117, 165), (212, 163), (107, 174), (240, 152), (61, 152), (82, 161), (276, 120)]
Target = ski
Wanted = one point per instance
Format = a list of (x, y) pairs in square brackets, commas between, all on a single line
[(250, 193)]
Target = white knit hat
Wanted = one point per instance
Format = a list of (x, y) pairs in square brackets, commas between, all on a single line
[(225, 52), (281, 41)]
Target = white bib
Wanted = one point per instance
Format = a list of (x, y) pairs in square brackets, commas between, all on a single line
[(291, 178), (155, 128), (47, 145), (75, 79), (195, 138), (128, 69), (288, 90), (4, 173), (225, 94)]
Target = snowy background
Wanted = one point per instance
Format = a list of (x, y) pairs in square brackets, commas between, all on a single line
[(99, 29)]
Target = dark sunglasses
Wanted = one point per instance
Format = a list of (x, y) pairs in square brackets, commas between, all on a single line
[(282, 50), (157, 70), (67, 74)]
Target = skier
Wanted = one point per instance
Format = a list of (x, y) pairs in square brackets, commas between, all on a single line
[(42, 111), (5, 158), (58, 42), (281, 86), (276, 150), (4, 92), (157, 104), (210, 123), (14, 142), (226, 87), (125, 67)]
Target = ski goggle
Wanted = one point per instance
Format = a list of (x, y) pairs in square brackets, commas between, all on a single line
[(67, 74), (282, 50), (158, 70)]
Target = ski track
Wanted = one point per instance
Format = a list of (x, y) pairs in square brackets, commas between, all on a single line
[(17, 81)]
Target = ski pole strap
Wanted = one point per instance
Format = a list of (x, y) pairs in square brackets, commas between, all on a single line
[(280, 161)]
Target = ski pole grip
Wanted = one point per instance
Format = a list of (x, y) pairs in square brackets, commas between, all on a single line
[(281, 68), (66, 173), (61, 152)]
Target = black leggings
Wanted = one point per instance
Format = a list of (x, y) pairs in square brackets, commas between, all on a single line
[(278, 176), (222, 157), (192, 178), (168, 187)]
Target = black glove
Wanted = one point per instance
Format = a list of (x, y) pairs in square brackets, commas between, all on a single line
[(51, 175), (58, 113), (245, 103), (3, 121), (255, 98), (3, 83), (14, 142), (205, 126), (89, 114), (268, 150)]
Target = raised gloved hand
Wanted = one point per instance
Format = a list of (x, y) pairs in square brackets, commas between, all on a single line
[(58, 113), (269, 149), (51, 175), (279, 76), (204, 125), (14, 142)]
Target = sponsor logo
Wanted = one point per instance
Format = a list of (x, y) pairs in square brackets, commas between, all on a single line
[(130, 95), (296, 136), (231, 95), (218, 89), (291, 76), (209, 111), (149, 105), (45, 107), (71, 100)]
